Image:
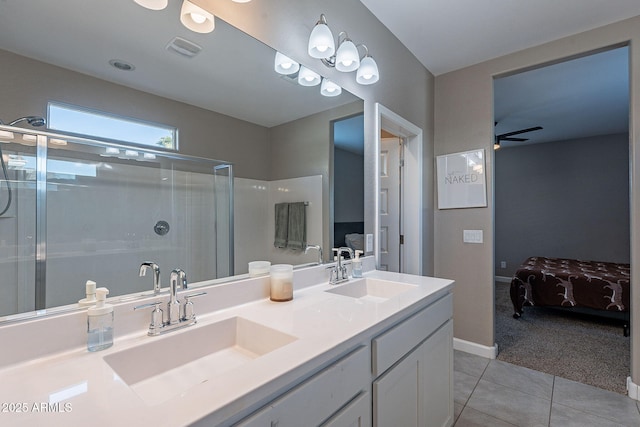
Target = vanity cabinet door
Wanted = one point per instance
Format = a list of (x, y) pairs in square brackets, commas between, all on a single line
[(418, 391), (437, 377), (395, 394)]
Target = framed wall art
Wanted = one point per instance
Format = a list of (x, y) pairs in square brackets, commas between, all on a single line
[(461, 180)]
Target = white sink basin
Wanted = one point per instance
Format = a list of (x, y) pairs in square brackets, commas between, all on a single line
[(371, 289), (166, 366)]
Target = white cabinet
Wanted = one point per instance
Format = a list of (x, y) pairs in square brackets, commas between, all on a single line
[(323, 396), (418, 391), (400, 377), (413, 363)]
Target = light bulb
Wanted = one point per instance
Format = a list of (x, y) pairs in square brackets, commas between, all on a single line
[(198, 18)]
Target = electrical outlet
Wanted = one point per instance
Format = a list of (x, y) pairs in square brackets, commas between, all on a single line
[(503, 264), (369, 247)]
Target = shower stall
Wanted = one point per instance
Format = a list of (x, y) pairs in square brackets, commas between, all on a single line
[(76, 209)]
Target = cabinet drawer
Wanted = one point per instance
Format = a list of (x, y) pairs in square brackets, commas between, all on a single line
[(318, 398), (393, 344)]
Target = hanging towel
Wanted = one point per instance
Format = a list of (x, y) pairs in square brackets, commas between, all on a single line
[(297, 229), (282, 224)]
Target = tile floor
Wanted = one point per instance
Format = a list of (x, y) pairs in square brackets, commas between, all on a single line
[(492, 393)]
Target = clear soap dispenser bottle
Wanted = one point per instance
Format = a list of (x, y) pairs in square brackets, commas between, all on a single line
[(356, 265), (100, 323)]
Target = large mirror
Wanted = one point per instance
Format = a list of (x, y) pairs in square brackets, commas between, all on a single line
[(283, 141)]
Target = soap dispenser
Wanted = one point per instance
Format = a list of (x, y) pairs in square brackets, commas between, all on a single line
[(90, 291), (356, 265), (100, 323)]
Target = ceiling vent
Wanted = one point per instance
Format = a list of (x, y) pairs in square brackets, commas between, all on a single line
[(184, 47)]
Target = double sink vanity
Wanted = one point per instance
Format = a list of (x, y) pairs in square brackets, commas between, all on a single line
[(375, 350)]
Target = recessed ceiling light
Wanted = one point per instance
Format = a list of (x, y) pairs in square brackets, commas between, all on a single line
[(122, 65)]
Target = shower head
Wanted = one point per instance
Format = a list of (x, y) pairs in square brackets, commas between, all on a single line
[(35, 121)]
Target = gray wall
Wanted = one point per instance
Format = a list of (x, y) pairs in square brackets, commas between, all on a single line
[(348, 191), (564, 199), (464, 121)]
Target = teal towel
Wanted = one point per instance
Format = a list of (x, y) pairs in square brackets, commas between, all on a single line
[(297, 228), (282, 224)]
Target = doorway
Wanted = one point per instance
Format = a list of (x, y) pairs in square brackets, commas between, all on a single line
[(398, 193), (561, 190)]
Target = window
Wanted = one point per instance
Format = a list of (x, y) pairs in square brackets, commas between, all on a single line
[(92, 123)]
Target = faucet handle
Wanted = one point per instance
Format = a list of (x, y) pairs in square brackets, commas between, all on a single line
[(156, 315), (188, 312)]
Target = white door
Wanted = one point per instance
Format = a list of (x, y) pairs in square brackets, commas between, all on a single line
[(390, 204)]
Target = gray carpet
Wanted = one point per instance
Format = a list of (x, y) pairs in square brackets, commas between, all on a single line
[(576, 347)]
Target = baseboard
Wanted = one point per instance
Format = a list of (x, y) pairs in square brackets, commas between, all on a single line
[(503, 279), (477, 349), (633, 390)]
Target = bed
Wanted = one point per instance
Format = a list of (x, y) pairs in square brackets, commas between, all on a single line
[(558, 282)]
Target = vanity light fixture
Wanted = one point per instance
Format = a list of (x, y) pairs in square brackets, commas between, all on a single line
[(346, 58), (321, 43), (306, 77), (329, 88), (196, 18), (153, 4), (285, 65), (6, 135), (192, 16)]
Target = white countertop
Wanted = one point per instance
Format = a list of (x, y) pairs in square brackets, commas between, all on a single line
[(89, 392)]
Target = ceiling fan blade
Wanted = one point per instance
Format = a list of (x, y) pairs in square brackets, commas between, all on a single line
[(513, 139), (518, 132)]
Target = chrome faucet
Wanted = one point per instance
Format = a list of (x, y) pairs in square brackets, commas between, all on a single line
[(318, 248), (173, 309), (339, 272), (177, 316), (156, 274)]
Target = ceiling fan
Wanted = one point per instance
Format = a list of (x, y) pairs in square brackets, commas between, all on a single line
[(509, 135)]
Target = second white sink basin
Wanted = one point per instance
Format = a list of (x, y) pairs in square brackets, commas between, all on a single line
[(166, 366), (371, 289)]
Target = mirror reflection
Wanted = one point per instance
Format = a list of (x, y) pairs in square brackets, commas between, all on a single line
[(103, 209)]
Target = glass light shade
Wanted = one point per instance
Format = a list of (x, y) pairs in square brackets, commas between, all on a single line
[(347, 57), (285, 65), (368, 72), (153, 4), (321, 44), (329, 88), (5, 134), (196, 18), (306, 77)]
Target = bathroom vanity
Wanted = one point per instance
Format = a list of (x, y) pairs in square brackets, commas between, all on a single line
[(371, 351)]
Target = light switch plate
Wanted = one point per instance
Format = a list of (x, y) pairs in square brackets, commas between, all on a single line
[(472, 236), (369, 247)]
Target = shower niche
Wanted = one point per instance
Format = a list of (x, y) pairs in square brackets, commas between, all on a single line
[(79, 209)]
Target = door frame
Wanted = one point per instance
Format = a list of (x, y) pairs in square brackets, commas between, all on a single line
[(387, 120)]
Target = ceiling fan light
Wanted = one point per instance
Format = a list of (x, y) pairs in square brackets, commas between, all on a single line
[(153, 4), (329, 88), (347, 57), (196, 18), (306, 77), (367, 72), (285, 65), (321, 44)]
